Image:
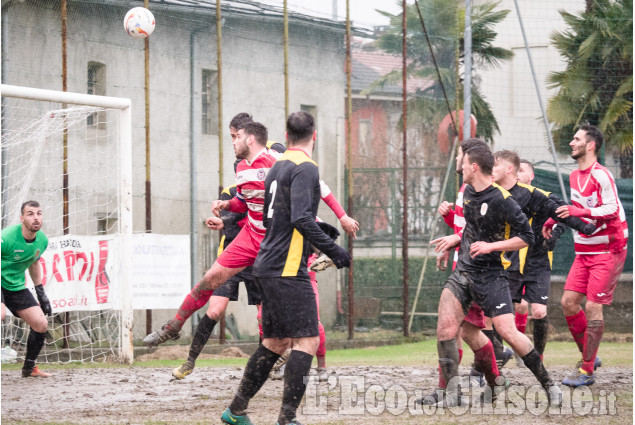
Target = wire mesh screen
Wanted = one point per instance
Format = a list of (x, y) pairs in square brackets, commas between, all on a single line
[(204, 68)]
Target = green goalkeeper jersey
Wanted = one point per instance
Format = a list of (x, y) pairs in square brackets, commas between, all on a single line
[(18, 255)]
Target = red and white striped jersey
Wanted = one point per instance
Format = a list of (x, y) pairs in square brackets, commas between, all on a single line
[(250, 193), (456, 221), (594, 189)]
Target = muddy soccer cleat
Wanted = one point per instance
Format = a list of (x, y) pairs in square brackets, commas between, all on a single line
[(183, 370), (323, 262), (477, 379), (293, 422), (229, 418), (580, 379), (508, 353), (322, 374), (554, 395), (34, 373), (596, 363), (160, 336)]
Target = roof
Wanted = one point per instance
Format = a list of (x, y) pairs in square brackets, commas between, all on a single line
[(369, 66)]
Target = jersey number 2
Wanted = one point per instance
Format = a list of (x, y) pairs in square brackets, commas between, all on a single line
[(272, 191)]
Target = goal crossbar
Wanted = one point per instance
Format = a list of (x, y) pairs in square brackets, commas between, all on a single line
[(123, 105)]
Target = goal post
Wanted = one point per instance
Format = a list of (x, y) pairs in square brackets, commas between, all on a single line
[(98, 177)]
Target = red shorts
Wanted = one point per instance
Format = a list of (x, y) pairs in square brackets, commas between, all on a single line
[(596, 276), (242, 251), (475, 316)]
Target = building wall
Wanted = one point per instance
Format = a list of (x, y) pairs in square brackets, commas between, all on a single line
[(252, 81)]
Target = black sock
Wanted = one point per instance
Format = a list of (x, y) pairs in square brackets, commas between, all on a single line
[(297, 368), (201, 336), (534, 363), (448, 361), (493, 336), (541, 330), (34, 344), (256, 373)]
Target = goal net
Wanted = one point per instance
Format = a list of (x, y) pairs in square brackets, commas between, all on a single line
[(72, 153)]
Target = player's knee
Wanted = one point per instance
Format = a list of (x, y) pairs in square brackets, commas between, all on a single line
[(40, 325), (539, 311)]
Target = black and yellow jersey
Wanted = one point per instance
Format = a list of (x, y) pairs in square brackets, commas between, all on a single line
[(292, 195), (538, 205), (491, 215)]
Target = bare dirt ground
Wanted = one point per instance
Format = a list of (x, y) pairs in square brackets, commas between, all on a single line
[(353, 395)]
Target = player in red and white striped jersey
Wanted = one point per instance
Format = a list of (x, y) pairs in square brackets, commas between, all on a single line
[(250, 145), (599, 257)]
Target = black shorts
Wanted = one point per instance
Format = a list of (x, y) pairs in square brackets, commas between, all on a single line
[(489, 290), (516, 285), (18, 300), (229, 289), (537, 287), (289, 309)]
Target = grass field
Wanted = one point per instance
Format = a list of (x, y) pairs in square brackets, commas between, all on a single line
[(145, 393)]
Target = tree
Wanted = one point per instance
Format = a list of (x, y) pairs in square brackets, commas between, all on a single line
[(597, 83), (444, 20)]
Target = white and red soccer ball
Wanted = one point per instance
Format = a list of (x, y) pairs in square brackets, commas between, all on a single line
[(139, 22)]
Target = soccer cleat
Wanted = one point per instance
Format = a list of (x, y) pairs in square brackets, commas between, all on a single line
[(229, 418), (35, 373), (183, 370), (596, 363), (322, 374), (293, 422), (490, 394), (554, 395), (277, 374), (323, 262), (440, 398), (582, 378), (476, 379), (507, 354), (160, 336)]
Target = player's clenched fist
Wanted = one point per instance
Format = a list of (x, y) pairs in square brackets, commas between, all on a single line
[(214, 223), (445, 208), (219, 205)]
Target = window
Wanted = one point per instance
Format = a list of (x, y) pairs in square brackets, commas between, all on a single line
[(209, 99), (97, 86)]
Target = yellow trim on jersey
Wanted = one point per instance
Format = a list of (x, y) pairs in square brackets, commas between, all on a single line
[(532, 188), (550, 255), (227, 189), (296, 156), (505, 193), (294, 257), (221, 245), (508, 230), (522, 254)]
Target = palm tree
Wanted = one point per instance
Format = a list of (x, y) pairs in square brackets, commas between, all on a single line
[(597, 84), (444, 20)]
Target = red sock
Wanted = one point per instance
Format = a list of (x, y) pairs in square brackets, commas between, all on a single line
[(321, 351), (259, 317), (485, 360), (442, 383), (521, 322), (460, 355), (577, 326), (592, 338), (196, 299)]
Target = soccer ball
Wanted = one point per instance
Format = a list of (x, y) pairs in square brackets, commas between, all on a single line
[(139, 22)]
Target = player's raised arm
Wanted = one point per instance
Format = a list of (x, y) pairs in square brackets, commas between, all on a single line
[(350, 225)]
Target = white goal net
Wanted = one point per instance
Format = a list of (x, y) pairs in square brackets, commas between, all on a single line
[(72, 154)]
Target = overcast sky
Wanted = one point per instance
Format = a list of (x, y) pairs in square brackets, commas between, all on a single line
[(362, 11)]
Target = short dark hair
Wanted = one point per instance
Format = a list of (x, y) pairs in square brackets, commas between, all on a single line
[(483, 157), (525, 161), (256, 129), (300, 127), (239, 119), (509, 156), (593, 134), (34, 204), (471, 142)]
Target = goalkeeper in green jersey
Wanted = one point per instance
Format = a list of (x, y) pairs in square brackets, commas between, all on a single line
[(22, 246)]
